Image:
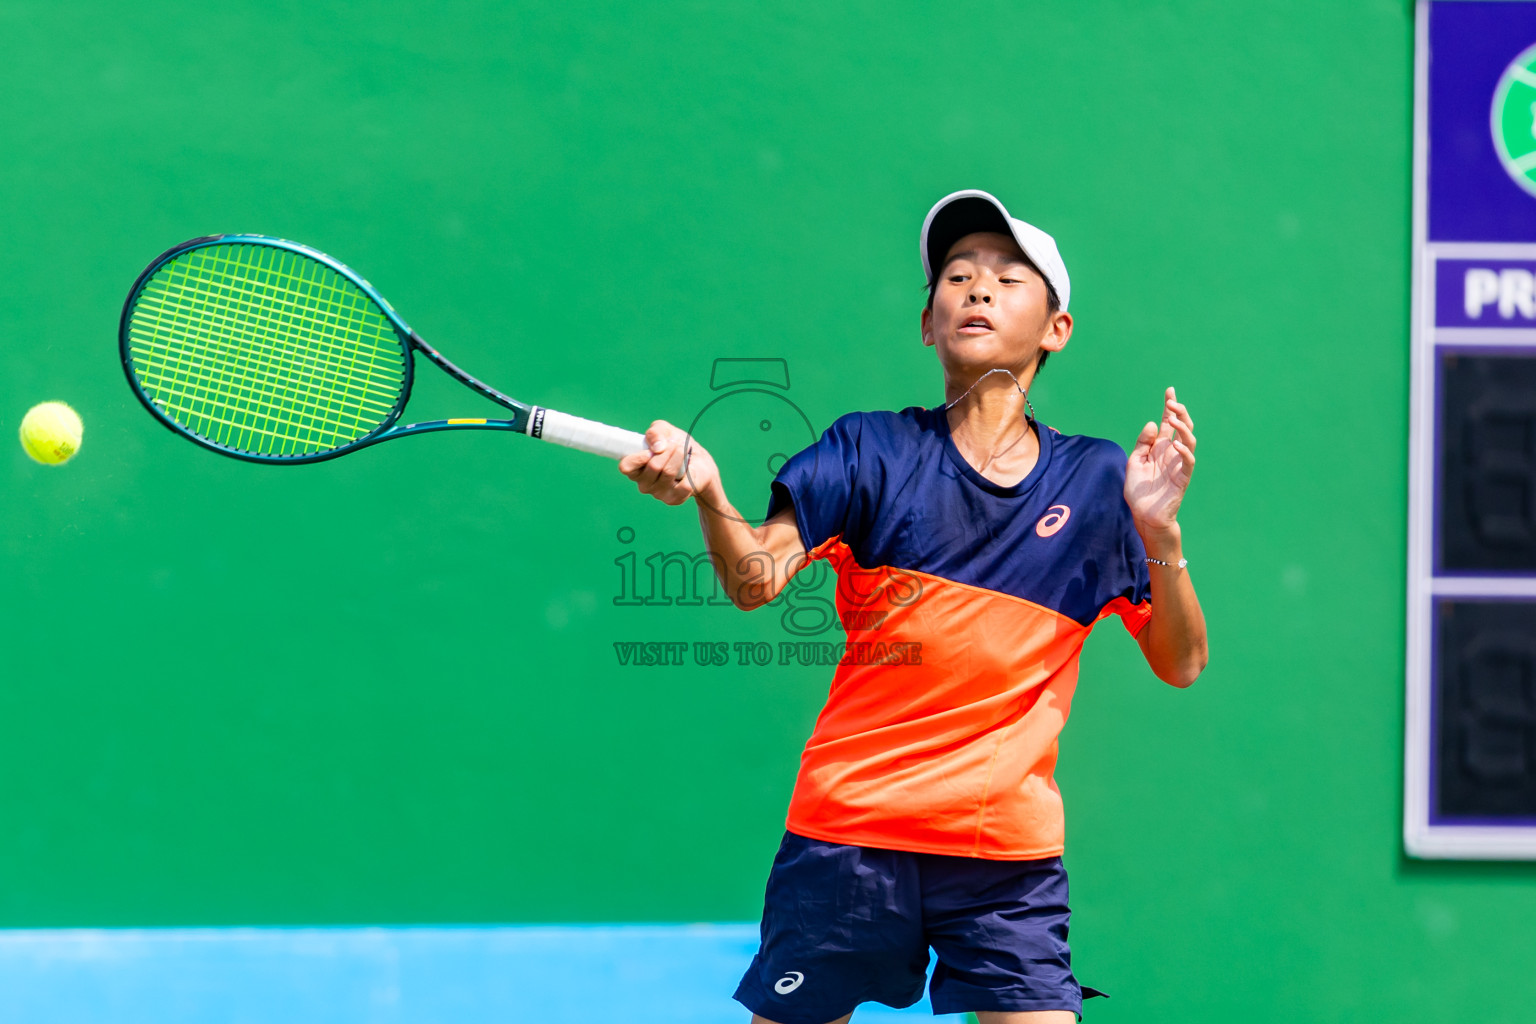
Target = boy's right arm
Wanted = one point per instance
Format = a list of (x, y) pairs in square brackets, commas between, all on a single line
[(753, 563)]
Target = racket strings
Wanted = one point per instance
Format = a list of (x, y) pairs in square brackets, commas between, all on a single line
[(306, 403), (263, 350), (273, 384), (271, 363)]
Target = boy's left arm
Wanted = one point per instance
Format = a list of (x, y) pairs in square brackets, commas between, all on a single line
[(1156, 477)]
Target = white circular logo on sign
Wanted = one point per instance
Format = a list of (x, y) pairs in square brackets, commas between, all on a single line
[(1514, 119)]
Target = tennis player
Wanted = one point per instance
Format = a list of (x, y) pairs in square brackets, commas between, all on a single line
[(975, 549)]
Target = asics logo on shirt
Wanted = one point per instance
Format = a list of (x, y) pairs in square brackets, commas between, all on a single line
[(1054, 519), (787, 984)]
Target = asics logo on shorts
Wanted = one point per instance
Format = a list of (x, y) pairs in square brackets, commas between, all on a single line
[(787, 984), (1054, 519)]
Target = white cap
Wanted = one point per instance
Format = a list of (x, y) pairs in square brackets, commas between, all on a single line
[(962, 213)]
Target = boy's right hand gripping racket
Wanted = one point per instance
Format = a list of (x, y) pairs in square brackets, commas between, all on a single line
[(270, 351)]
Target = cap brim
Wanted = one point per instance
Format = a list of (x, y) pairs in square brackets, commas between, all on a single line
[(957, 218)]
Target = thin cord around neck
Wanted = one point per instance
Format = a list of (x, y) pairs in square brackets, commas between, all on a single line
[(998, 369)]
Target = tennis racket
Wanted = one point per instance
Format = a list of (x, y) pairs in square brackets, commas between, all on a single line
[(269, 351)]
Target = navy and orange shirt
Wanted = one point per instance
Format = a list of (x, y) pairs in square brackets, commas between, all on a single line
[(966, 604)]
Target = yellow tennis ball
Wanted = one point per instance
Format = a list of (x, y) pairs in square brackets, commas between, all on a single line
[(50, 433)]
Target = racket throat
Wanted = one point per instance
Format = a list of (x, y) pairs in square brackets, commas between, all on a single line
[(459, 375)]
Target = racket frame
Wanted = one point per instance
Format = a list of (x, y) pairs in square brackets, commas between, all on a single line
[(526, 419)]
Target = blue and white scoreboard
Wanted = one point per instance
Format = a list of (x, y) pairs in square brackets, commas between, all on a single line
[(1471, 714)]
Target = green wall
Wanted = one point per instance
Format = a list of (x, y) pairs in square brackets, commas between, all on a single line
[(384, 689)]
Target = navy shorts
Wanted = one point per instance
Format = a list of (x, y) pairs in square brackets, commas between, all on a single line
[(844, 925)]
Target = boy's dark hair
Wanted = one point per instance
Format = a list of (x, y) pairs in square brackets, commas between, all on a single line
[(1052, 303)]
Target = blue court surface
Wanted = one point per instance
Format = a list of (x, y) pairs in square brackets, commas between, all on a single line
[(636, 974)]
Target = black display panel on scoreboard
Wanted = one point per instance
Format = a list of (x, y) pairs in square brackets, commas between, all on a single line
[(1485, 716), (1486, 494)]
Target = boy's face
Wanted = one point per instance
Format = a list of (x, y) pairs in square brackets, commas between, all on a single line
[(991, 309)]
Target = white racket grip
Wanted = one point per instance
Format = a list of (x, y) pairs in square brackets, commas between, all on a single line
[(584, 435)]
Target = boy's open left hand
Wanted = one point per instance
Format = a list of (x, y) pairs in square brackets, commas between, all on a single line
[(1161, 463), (677, 468)]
